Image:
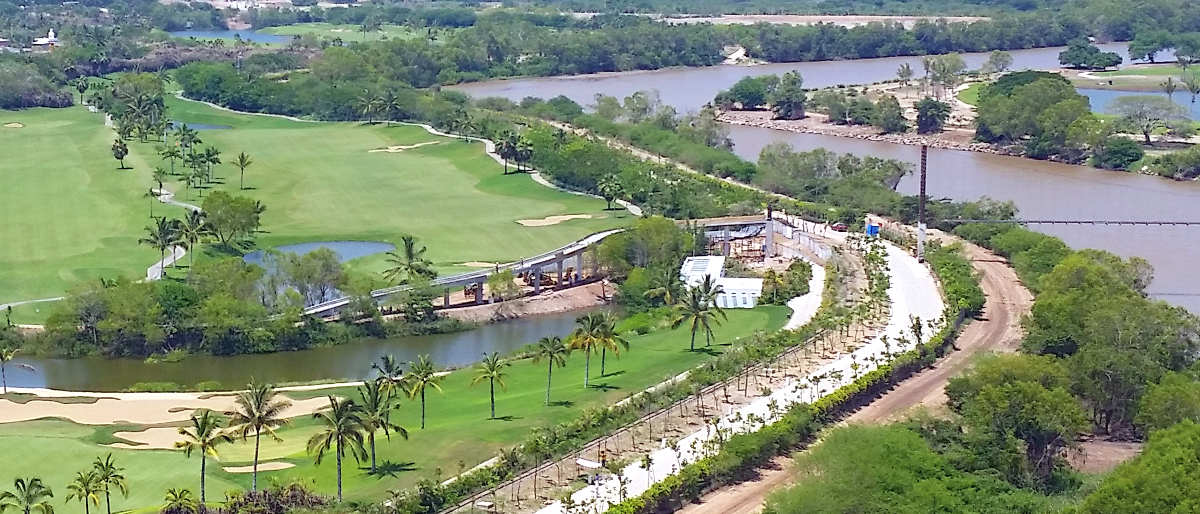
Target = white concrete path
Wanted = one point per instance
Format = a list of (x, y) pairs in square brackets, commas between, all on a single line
[(912, 291), (804, 307)]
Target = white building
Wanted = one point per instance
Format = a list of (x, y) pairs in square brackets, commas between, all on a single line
[(45, 44), (738, 293)]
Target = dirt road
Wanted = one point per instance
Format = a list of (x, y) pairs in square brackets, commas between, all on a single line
[(998, 329)]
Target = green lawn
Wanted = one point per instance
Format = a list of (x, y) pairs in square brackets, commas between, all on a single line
[(1157, 70), (320, 182), (970, 95), (458, 434), (348, 33), (69, 214)]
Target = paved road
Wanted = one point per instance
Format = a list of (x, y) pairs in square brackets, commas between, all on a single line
[(997, 330)]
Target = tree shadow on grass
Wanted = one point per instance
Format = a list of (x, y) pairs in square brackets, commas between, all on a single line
[(390, 469), (562, 403), (506, 418), (603, 387), (613, 374), (711, 352)]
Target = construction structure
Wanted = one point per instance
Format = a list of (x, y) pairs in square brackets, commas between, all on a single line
[(736, 293)]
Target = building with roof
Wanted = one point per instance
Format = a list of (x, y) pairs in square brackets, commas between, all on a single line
[(45, 44), (737, 293)]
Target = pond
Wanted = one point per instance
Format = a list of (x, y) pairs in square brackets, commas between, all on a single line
[(246, 35), (351, 360), (345, 250), (1101, 99)]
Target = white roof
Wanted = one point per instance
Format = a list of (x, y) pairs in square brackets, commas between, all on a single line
[(741, 285), (694, 269)]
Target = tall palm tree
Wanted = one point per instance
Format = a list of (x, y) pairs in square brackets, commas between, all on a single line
[(554, 352), (377, 404), (258, 409), (109, 475), (698, 306), (170, 153), (409, 261), (163, 234), (590, 336), (607, 331), (203, 436), (191, 230), (28, 495), (343, 431), (212, 157), (391, 373), (6, 355), (179, 501), (666, 281), (491, 368), (421, 376), (1169, 87), (85, 488), (242, 161)]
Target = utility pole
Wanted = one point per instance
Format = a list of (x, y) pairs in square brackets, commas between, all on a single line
[(921, 207)]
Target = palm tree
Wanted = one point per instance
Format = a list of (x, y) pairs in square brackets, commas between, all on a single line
[(6, 354), (904, 73), (591, 334), (422, 375), (108, 475), (27, 496), (409, 262), (162, 235), (555, 353), (699, 307), (667, 284), (119, 151), (86, 489), (609, 188), (491, 368), (506, 148), (1192, 84), (377, 407), (1169, 86), (212, 157), (608, 332), (179, 501), (203, 436), (258, 409), (170, 153), (391, 374), (191, 230), (242, 161), (343, 431)]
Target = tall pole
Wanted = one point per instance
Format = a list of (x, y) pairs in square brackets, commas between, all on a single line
[(921, 207)]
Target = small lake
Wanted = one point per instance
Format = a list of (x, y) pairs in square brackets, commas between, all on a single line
[(1101, 98), (351, 360), (246, 35), (345, 250)]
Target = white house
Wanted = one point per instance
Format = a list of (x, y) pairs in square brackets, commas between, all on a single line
[(739, 293), (45, 44)]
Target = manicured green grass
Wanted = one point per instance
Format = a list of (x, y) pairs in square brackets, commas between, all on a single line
[(348, 33), (69, 215), (458, 433), (54, 450), (970, 95), (320, 182), (1159, 70)]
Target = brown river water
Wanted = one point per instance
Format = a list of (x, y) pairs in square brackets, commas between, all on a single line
[(1041, 190)]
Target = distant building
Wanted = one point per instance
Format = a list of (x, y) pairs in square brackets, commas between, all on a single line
[(45, 44), (738, 293)]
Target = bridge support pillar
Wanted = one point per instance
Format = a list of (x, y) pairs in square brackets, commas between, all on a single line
[(595, 260), (478, 292), (537, 279), (726, 237), (559, 266), (579, 267), (770, 246), (446, 297)]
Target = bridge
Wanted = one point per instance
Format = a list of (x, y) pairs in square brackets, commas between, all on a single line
[(557, 260)]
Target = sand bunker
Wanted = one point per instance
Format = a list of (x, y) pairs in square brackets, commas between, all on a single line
[(14, 125), (262, 466), (401, 148), (479, 264), (138, 409), (554, 220), (158, 438)]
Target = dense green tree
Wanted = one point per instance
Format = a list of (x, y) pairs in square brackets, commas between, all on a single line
[(931, 115), (1082, 54), (889, 116), (1117, 153), (1147, 113), (788, 98), (1162, 479), (998, 61), (1174, 398), (119, 151), (231, 218), (1148, 43)]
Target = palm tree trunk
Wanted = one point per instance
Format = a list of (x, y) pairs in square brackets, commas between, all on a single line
[(107, 500), (4, 379), (549, 373), (241, 179), (254, 478), (587, 365), (693, 339), (603, 359), (202, 461), (492, 393), (422, 408), (371, 439), (339, 469)]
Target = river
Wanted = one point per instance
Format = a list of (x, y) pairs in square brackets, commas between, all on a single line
[(351, 360), (1039, 189)]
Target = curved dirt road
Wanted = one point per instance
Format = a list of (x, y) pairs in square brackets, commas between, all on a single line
[(998, 329)]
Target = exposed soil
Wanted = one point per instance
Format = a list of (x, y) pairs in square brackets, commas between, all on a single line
[(549, 302), (1100, 455)]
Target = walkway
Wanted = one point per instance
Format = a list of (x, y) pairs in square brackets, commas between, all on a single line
[(913, 292), (155, 271)]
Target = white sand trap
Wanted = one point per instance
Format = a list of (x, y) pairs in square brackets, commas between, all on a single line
[(554, 220), (262, 466), (158, 438), (479, 264), (401, 148), (14, 125), (138, 409)]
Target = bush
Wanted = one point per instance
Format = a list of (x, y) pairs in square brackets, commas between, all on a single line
[(1118, 153)]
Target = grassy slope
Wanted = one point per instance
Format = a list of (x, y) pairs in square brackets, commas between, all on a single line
[(458, 429), (320, 182), (69, 215), (970, 95), (348, 33)]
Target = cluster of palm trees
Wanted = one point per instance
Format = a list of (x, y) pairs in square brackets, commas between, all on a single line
[(386, 105), (698, 308), (199, 161), (89, 487), (167, 234), (515, 148)]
